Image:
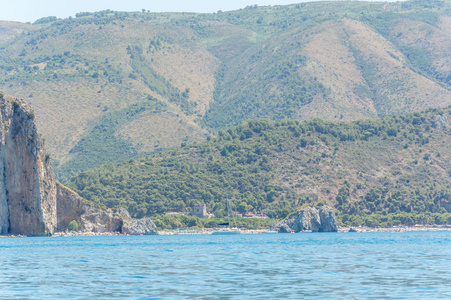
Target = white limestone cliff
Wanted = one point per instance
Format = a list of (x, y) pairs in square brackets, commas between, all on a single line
[(27, 184)]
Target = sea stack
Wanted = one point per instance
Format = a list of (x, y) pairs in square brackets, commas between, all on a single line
[(310, 219)]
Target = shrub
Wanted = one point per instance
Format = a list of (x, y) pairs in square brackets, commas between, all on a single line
[(16, 103), (73, 226), (45, 20)]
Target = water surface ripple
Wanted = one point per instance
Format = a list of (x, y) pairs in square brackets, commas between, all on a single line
[(309, 265)]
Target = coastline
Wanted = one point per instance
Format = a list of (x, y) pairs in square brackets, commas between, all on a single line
[(344, 229), (340, 230), (400, 228)]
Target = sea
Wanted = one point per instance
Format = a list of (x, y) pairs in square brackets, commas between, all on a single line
[(370, 265)]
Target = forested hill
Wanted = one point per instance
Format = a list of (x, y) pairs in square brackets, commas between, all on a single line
[(109, 86), (389, 166)]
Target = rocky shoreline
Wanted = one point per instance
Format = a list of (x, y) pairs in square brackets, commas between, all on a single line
[(256, 231), (340, 230), (396, 228)]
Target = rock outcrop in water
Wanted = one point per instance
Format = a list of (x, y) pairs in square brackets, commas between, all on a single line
[(89, 216), (139, 227), (95, 218), (31, 201), (310, 219)]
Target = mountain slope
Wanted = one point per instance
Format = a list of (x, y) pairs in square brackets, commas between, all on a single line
[(91, 74), (340, 69), (334, 60)]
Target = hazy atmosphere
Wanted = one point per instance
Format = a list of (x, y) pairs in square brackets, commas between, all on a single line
[(263, 149), (31, 10)]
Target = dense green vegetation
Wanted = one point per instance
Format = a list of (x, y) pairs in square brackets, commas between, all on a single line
[(370, 220), (186, 221), (390, 220), (382, 171)]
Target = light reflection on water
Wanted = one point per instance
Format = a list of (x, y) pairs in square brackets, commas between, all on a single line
[(327, 265)]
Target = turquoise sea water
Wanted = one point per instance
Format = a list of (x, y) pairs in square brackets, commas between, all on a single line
[(410, 265)]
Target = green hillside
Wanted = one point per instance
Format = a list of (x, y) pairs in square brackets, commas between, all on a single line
[(375, 172), (90, 78)]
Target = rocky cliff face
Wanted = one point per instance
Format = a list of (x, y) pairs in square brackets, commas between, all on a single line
[(27, 184), (310, 219), (31, 202), (327, 219)]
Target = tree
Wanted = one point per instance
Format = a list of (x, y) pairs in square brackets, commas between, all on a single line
[(73, 226)]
